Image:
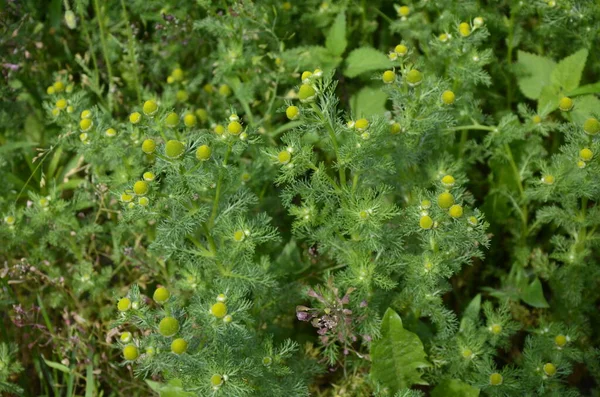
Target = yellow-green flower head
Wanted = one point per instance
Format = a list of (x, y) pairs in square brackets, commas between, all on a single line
[(168, 326), (292, 112), (177, 74), (401, 50), (174, 149), (161, 295), (86, 114), (219, 129), (126, 337), (135, 117), (234, 128), (306, 93), (361, 124), (414, 77), (150, 107), (464, 29), (565, 104), (127, 197), (216, 380), (388, 76), (448, 97), (426, 222), (284, 157), (172, 120), (224, 90), (549, 369), (495, 379), (61, 104), (591, 126), (448, 181), (59, 86), (86, 124), (179, 346), (141, 188), (148, 146), (456, 211), (445, 200), (124, 304), (586, 154), (190, 120), (202, 114), (130, 352), (203, 153), (181, 96), (219, 310)]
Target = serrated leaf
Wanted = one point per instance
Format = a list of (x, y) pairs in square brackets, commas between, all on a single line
[(367, 102), (454, 388), (533, 294), (585, 107), (397, 356), (365, 59), (336, 38), (567, 73), (549, 99), (537, 71), (325, 59)]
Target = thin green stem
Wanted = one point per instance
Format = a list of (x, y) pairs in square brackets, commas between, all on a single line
[(211, 221), (89, 43), (130, 44), (472, 127), (355, 181), (517, 174), (582, 235), (388, 19), (104, 49), (33, 173), (334, 143), (211, 241), (509, 56), (335, 185)]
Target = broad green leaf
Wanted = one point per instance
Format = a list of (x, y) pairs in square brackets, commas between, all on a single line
[(172, 389), (533, 295), (567, 73), (324, 59), (473, 307), (365, 59), (336, 39), (585, 107), (408, 393), (397, 356), (472, 311), (454, 388), (548, 101), (368, 102), (58, 366), (90, 388), (537, 72), (585, 89), (12, 146)]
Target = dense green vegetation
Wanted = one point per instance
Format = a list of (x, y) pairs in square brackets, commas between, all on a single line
[(267, 198)]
